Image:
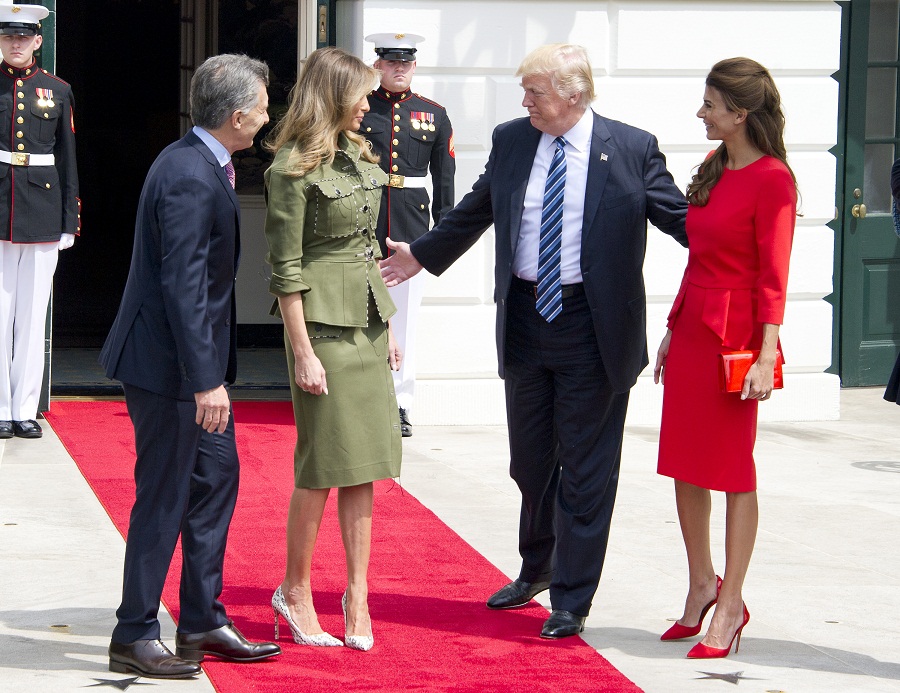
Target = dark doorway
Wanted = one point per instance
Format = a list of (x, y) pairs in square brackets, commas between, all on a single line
[(122, 59)]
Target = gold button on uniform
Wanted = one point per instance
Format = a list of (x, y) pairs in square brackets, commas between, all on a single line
[(46, 115), (421, 206), (20, 146), (394, 155), (396, 128), (20, 83), (20, 95), (395, 167), (47, 185), (20, 134), (397, 105), (22, 107), (424, 137), (20, 120), (395, 142), (368, 129), (396, 117)]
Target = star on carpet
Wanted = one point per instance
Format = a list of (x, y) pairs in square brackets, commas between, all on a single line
[(734, 677), (121, 684)]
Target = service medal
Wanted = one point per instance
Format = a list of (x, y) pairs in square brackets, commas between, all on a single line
[(416, 124)]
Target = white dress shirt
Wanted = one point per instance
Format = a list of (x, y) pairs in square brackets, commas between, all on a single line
[(216, 147), (577, 149)]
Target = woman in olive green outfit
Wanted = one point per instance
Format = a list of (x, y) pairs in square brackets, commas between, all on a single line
[(323, 193)]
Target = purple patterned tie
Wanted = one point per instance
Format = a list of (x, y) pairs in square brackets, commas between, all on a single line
[(229, 171)]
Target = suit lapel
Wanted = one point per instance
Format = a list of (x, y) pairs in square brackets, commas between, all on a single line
[(602, 158), (524, 152), (219, 172)]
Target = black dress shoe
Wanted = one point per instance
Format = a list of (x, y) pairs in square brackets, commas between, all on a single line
[(225, 642), (6, 429), (149, 658), (515, 594), (27, 429), (562, 624), (405, 425)]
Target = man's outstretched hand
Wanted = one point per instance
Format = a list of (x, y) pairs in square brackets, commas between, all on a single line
[(400, 266)]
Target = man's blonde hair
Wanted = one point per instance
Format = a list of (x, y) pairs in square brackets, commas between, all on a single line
[(568, 68)]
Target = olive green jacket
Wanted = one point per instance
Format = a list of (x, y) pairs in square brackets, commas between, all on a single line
[(320, 228)]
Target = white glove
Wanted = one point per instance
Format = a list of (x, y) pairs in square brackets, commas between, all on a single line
[(66, 240)]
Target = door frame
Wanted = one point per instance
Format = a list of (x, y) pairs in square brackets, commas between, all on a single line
[(856, 353)]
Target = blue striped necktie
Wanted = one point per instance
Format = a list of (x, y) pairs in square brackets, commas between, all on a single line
[(549, 283)]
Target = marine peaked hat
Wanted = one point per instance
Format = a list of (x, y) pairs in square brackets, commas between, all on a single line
[(390, 46), (21, 20)]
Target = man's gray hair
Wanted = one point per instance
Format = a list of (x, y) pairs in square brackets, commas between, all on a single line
[(224, 84)]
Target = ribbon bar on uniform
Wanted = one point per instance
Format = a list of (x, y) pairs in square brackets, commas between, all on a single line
[(26, 159)]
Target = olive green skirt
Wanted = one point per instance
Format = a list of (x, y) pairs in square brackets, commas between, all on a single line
[(351, 435)]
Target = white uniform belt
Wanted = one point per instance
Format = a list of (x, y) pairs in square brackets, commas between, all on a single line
[(397, 181), (26, 159)]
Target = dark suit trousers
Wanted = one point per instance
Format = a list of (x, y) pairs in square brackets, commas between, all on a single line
[(565, 437), (186, 483)]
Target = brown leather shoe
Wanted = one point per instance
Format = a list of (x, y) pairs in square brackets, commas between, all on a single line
[(149, 658), (225, 642)]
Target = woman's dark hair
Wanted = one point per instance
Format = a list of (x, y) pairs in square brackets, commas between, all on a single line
[(744, 85)]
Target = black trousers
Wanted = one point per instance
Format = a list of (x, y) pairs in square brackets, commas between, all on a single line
[(565, 436), (186, 483)]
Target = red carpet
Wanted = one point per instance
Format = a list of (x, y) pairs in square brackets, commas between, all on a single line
[(427, 586)]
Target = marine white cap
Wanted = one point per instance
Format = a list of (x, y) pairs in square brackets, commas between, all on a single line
[(21, 20), (391, 46)]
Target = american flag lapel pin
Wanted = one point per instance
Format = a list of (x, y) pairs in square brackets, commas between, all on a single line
[(603, 157)]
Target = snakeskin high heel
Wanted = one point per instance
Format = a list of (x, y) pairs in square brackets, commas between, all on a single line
[(356, 642), (280, 607)]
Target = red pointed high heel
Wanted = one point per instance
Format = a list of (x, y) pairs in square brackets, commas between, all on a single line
[(679, 632), (701, 651)]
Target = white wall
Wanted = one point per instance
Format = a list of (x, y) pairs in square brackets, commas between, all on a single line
[(650, 60)]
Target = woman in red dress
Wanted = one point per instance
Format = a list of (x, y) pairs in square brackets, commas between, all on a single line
[(740, 226)]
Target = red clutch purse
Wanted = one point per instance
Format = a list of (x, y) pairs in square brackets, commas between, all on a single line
[(733, 367)]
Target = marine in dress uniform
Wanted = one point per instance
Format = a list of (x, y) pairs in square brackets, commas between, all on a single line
[(414, 136), (39, 208)]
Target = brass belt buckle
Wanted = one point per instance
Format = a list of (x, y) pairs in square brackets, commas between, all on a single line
[(396, 181), (20, 158)]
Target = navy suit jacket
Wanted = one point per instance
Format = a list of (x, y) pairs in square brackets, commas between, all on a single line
[(627, 185), (175, 332)]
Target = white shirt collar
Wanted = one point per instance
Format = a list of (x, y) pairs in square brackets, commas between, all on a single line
[(578, 136)]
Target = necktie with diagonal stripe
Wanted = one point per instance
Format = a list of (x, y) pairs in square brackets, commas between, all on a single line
[(229, 171), (549, 283)]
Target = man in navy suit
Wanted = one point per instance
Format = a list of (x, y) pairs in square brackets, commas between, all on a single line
[(172, 346), (567, 369)]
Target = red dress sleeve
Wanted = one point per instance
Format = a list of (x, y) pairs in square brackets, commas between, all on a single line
[(776, 214)]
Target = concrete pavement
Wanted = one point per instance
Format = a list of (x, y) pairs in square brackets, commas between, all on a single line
[(823, 588)]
